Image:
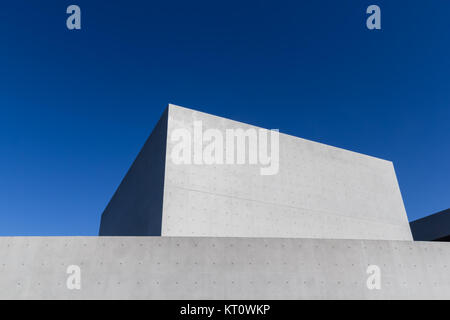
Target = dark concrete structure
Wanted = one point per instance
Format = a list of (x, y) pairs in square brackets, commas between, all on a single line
[(136, 207), (435, 227)]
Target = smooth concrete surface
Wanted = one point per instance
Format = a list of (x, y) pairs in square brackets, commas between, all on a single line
[(136, 207), (433, 227), (221, 268), (319, 192)]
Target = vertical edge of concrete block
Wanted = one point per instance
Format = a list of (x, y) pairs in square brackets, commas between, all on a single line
[(409, 235)]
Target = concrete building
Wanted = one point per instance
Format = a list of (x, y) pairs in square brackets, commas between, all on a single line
[(291, 219), (318, 191)]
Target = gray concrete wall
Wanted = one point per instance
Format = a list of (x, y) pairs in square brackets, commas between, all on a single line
[(319, 192), (221, 268), (136, 207)]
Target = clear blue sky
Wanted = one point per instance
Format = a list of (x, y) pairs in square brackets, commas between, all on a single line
[(76, 106)]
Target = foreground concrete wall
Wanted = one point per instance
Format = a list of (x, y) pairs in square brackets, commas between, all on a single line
[(221, 268), (136, 207), (319, 192)]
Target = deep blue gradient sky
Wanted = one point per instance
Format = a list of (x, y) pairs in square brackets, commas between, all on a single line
[(76, 106)]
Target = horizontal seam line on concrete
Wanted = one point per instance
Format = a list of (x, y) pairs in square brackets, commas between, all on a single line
[(287, 206)]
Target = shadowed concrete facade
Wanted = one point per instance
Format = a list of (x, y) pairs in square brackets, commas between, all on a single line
[(221, 268), (319, 192), (136, 207), (435, 227)]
